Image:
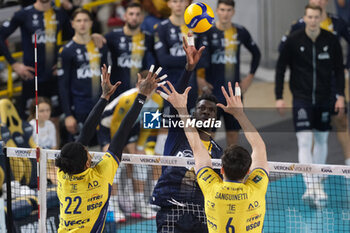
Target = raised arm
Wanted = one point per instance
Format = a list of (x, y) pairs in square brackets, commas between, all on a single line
[(146, 88), (179, 102), (92, 120), (192, 57), (235, 107)]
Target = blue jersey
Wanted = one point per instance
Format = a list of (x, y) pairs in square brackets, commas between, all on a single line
[(130, 55), (79, 76), (46, 25), (332, 24), (179, 184), (223, 54)]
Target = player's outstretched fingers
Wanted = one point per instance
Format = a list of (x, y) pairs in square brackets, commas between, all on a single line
[(161, 84), (163, 95), (186, 91), (230, 89), (185, 44), (238, 90), (165, 89), (150, 72), (171, 87), (161, 78), (225, 93)]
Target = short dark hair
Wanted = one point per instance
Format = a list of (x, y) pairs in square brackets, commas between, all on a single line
[(209, 97), (133, 4), (313, 7), (236, 162), (72, 159), (81, 11), (227, 2)]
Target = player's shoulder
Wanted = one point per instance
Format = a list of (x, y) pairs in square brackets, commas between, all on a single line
[(164, 22), (29, 10), (257, 175), (146, 33), (238, 26), (68, 48), (333, 16), (117, 32)]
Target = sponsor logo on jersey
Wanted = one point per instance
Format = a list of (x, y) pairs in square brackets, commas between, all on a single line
[(74, 222), (85, 71), (257, 179), (220, 57), (252, 226), (94, 184), (176, 50), (126, 61), (95, 198), (94, 206), (253, 205), (254, 217), (42, 37), (231, 209)]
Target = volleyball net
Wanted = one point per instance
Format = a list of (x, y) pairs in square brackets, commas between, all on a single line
[(300, 197)]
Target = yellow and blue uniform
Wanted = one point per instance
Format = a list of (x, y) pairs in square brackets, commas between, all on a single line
[(223, 54), (46, 26), (232, 206), (130, 55), (84, 197), (79, 77)]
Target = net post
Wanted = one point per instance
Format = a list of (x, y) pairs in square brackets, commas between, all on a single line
[(9, 219)]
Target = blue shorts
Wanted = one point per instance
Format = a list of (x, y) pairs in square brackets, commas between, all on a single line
[(307, 116)]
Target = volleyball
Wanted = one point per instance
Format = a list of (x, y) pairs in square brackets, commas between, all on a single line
[(199, 17)]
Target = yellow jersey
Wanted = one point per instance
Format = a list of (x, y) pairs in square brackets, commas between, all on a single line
[(84, 197), (234, 206)]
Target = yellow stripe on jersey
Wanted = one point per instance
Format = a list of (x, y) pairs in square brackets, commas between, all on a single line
[(137, 54), (84, 197), (94, 63), (237, 206), (327, 25), (231, 46), (50, 25)]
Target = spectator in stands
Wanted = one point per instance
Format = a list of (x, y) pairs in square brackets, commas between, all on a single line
[(79, 72), (223, 45), (47, 130), (314, 57), (343, 9), (75, 169), (130, 48), (338, 27)]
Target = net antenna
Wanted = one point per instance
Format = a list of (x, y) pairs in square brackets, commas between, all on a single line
[(39, 170)]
